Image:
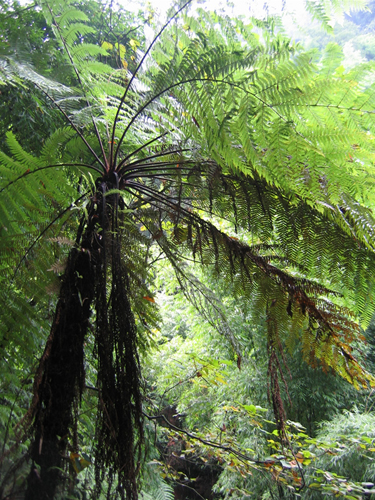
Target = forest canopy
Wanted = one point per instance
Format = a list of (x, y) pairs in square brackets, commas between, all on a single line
[(187, 254)]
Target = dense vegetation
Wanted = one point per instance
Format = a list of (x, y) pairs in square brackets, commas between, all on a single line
[(187, 257)]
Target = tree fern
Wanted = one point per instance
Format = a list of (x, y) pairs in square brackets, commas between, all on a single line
[(211, 148)]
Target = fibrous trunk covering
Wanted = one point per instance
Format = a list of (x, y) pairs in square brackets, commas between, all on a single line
[(60, 377), (95, 275), (120, 434)]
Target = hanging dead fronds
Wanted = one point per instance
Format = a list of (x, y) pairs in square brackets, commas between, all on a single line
[(119, 432)]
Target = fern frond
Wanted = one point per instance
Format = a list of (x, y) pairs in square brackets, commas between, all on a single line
[(163, 492)]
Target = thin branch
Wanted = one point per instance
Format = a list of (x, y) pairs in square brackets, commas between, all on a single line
[(44, 232), (133, 77), (122, 167), (213, 444), (190, 488), (179, 383), (80, 82), (192, 80), (20, 12), (72, 125), (142, 147), (335, 106)]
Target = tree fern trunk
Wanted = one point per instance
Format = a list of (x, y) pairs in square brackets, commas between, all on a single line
[(60, 377), (92, 272), (119, 431)]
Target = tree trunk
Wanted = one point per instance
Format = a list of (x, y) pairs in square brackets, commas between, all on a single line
[(95, 273), (60, 378)]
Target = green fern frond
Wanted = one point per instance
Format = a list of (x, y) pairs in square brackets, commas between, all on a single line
[(162, 492)]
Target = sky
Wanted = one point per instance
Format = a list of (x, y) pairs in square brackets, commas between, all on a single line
[(232, 7), (293, 11)]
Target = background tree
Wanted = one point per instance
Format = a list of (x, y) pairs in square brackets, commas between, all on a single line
[(194, 382)]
